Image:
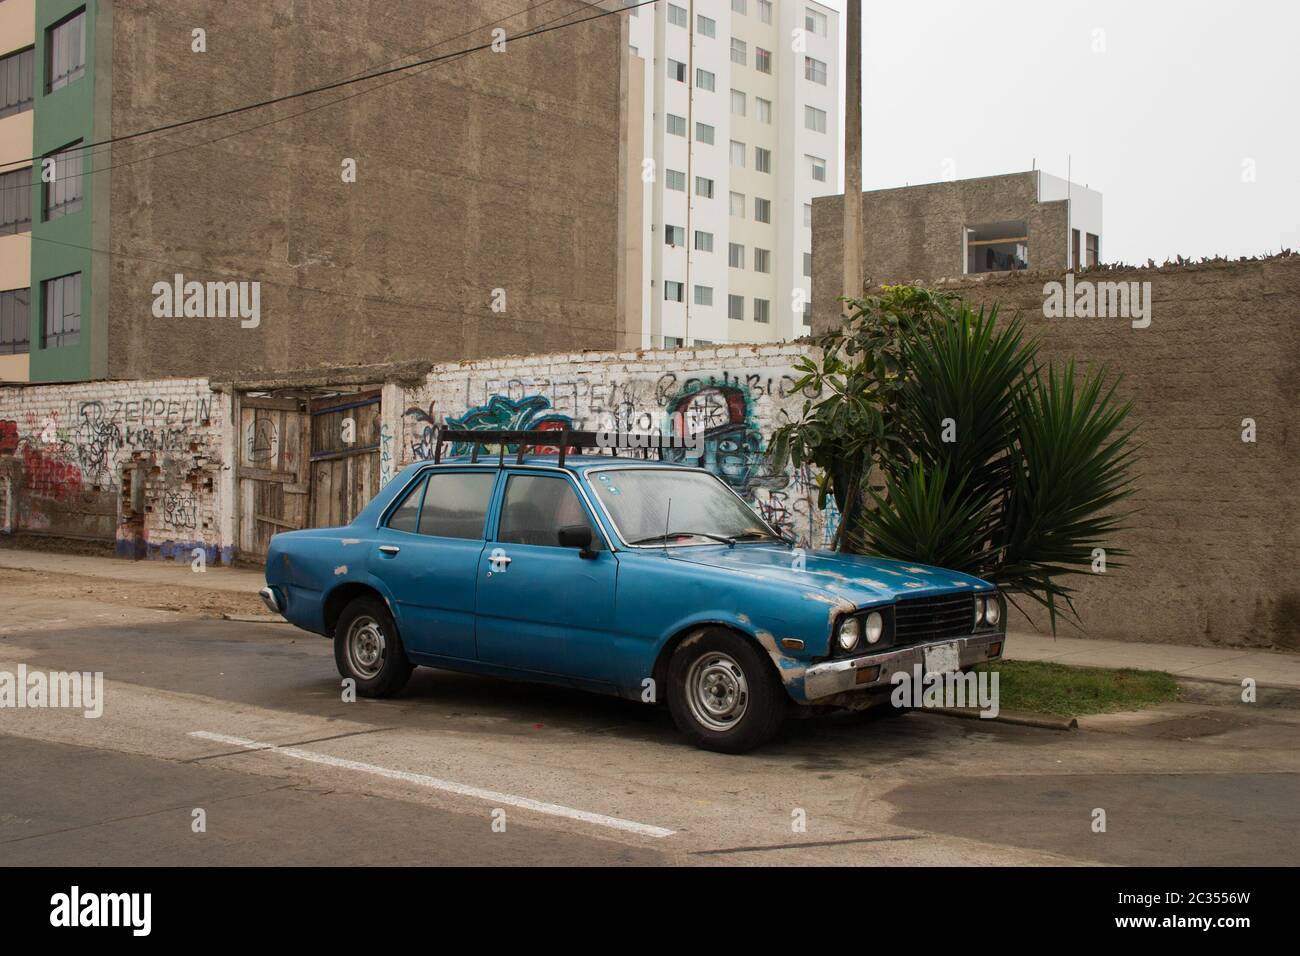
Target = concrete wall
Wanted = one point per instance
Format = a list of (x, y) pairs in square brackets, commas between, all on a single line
[(916, 233), (1216, 545), (492, 171), (135, 463)]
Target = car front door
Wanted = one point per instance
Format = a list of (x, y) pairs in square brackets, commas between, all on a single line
[(428, 553), (543, 607)]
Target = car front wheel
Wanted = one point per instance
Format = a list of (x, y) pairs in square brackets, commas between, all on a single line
[(722, 692), (368, 649)]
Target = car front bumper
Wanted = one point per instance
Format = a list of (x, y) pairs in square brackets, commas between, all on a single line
[(271, 600), (874, 671)]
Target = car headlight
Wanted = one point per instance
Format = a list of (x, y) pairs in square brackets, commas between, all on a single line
[(850, 633), (979, 610), (875, 627), (992, 611)]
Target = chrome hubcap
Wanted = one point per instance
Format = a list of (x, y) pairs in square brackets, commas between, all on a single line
[(366, 646), (716, 691)]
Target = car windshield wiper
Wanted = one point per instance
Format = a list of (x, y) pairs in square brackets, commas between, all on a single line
[(685, 534), (751, 535)]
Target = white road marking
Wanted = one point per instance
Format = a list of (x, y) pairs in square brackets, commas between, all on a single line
[(423, 780)]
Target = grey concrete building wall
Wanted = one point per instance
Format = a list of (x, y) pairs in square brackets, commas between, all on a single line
[(1216, 539), (493, 171), (915, 233)]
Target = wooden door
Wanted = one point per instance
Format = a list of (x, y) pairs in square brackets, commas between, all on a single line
[(344, 457), (272, 476)]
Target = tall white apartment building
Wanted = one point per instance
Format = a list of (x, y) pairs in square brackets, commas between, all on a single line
[(740, 130)]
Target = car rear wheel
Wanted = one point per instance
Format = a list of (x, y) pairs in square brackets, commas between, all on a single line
[(368, 649), (722, 692)]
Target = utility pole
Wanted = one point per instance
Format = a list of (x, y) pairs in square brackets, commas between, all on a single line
[(853, 240)]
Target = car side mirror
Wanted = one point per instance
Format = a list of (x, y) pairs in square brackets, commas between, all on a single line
[(577, 536)]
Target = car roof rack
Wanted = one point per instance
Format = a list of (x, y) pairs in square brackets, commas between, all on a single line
[(563, 438)]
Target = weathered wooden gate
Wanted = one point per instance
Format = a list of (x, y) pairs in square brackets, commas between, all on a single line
[(344, 456), (273, 475)]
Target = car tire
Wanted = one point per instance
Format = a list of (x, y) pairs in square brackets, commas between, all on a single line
[(368, 649), (723, 694)]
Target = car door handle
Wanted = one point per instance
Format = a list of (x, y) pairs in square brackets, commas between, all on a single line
[(389, 548)]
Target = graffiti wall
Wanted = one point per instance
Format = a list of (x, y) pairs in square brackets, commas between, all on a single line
[(135, 464), (733, 395)]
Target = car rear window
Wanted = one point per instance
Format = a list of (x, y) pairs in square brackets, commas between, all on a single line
[(456, 505)]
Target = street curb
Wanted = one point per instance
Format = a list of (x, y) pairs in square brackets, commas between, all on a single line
[(254, 618), (1042, 721)]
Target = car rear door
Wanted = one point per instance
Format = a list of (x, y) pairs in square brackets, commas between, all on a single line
[(542, 607), (428, 552)]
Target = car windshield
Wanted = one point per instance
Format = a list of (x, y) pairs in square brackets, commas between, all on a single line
[(672, 506)]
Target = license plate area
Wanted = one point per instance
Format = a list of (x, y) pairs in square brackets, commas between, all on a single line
[(943, 659)]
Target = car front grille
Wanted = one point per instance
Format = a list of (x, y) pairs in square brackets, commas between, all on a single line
[(925, 619)]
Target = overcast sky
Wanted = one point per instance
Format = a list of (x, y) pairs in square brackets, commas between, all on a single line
[(1185, 98)]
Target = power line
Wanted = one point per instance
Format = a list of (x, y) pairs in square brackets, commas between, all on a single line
[(430, 61)]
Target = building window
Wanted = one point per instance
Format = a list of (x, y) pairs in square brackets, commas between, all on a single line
[(765, 10), (63, 193), (762, 210), (816, 168), (763, 109), (704, 80), (703, 241), (677, 15), (807, 214), (672, 291), (736, 307), (762, 260), (704, 295), (997, 247), (676, 125), (762, 60), (16, 81), (65, 51), (762, 311), (737, 103), (762, 159), (739, 52), (737, 205), (675, 179), (815, 70), (735, 255), (704, 187), (704, 133), (1093, 249), (737, 154), (1074, 249), (16, 201), (807, 263), (814, 21), (814, 119), (677, 71), (674, 235), (705, 27), (13, 321), (738, 6), (672, 341), (62, 298)]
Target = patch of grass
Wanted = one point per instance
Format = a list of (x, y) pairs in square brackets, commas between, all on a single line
[(1045, 688)]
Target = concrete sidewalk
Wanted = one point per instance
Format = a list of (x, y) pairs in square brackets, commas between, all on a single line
[(1223, 664), (1220, 664)]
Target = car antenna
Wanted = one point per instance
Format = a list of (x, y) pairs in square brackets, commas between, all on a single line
[(667, 517)]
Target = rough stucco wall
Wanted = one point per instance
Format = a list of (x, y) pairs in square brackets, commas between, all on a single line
[(915, 233), (70, 452), (1216, 544), (466, 183), (735, 394)]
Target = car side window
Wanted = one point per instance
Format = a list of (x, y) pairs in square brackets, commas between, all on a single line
[(456, 504), (407, 515), (536, 508)]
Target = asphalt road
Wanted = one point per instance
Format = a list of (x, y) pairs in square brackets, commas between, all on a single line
[(468, 770)]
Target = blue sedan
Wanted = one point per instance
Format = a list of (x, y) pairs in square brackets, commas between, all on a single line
[(648, 580)]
